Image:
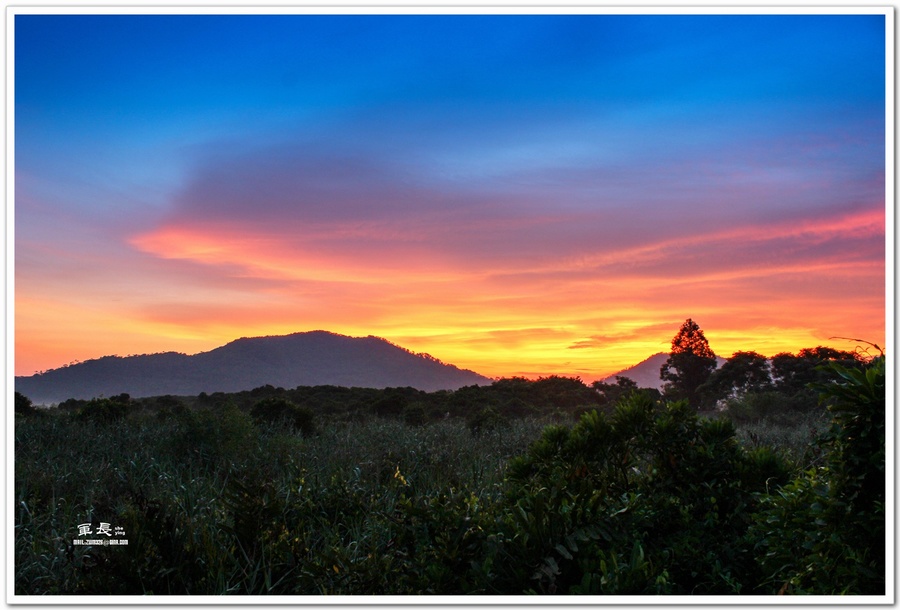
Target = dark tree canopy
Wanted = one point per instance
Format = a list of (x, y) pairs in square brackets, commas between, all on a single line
[(743, 372), (690, 339), (612, 393), (793, 374), (689, 365), (23, 404)]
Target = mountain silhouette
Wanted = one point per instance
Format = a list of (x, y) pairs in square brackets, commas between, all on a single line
[(300, 359), (646, 372)]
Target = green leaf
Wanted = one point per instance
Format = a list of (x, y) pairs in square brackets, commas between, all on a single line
[(563, 551)]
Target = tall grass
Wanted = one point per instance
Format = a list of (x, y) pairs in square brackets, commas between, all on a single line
[(794, 436), (212, 504)]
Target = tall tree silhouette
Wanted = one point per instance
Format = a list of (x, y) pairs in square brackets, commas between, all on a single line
[(689, 365)]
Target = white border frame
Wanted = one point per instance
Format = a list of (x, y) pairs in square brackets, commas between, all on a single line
[(508, 7)]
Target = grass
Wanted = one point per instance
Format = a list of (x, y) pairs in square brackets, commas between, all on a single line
[(232, 507), (795, 436), (212, 503)]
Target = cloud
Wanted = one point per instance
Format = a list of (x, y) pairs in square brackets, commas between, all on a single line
[(565, 197), (365, 244), (623, 332), (312, 209)]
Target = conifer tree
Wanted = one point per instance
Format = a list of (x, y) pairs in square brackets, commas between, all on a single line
[(689, 365)]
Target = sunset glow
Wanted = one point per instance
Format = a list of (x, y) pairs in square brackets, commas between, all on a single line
[(516, 195)]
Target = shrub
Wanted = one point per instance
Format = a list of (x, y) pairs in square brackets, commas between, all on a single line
[(824, 533), (650, 499), (280, 411), (216, 436), (103, 410), (756, 406), (71, 405), (414, 414), (23, 405), (485, 420)]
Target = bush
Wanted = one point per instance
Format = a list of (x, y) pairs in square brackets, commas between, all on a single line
[(23, 405), (414, 414), (824, 533), (756, 406), (216, 436), (104, 410), (280, 411), (485, 420), (650, 499)]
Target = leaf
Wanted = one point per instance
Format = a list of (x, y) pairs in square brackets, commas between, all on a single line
[(563, 551), (551, 563), (637, 555)]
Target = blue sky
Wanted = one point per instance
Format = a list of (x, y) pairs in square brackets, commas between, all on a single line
[(532, 182)]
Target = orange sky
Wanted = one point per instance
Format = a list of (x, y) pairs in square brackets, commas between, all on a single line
[(589, 317), (513, 195)]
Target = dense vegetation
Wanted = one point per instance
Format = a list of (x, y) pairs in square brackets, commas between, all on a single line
[(548, 486)]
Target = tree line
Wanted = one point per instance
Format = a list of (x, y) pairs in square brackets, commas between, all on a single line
[(785, 381), (747, 386)]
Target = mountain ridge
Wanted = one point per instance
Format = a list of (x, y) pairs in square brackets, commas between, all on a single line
[(298, 359), (646, 372)]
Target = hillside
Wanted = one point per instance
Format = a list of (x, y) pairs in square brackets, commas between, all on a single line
[(646, 372), (309, 358)]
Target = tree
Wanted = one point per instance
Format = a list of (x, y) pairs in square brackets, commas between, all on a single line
[(612, 393), (282, 411), (23, 404), (824, 532), (689, 365), (792, 375), (742, 373)]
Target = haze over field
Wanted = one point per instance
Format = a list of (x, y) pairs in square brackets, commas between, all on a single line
[(516, 195)]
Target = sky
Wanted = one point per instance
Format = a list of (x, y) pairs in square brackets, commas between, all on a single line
[(520, 195)]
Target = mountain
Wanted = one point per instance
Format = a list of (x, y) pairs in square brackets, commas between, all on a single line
[(300, 359), (646, 372)]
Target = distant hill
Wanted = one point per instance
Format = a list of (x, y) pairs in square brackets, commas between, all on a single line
[(646, 372), (300, 359)]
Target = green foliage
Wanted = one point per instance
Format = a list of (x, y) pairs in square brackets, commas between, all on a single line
[(211, 505), (793, 433), (105, 410), (824, 533), (414, 414), (486, 420), (647, 500), (857, 435), (757, 406), (641, 498), (215, 436), (280, 411), (168, 406)]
